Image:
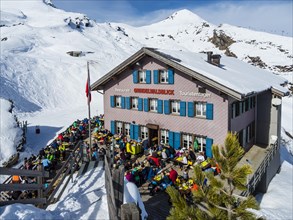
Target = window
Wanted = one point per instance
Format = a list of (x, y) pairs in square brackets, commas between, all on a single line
[(175, 107), (134, 103), (118, 101), (200, 109), (246, 105), (201, 143), (201, 90), (142, 76), (163, 74), (187, 140), (119, 127), (153, 105), (165, 136), (144, 132), (127, 129)]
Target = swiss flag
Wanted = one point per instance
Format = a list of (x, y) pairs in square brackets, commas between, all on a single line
[(88, 90)]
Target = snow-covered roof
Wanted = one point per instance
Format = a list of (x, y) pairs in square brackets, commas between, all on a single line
[(233, 77)]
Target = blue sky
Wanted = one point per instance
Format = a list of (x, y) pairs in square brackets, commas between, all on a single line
[(264, 15)]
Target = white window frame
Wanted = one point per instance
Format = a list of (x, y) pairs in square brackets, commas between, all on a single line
[(127, 129), (134, 103), (119, 127), (118, 101), (187, 140), (201, 109), (201, 143), (141, 76), (164, 76), (175, 107), (164, 136), (144, 132), (153, 105)]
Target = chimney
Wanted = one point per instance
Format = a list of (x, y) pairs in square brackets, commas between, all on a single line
[(209, 53), (216, 59)]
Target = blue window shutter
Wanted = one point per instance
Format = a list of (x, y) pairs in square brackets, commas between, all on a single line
[(209, 144), (171, 138), (140, 104), (170, 76), (167, 107), (122, 102), (182, 108), (177, 140), (131, 131), (156, 76), (112, 101), (160, 106), (135, 76), (190, 109), (113, 129), (148, 76), (210, 111), (146, 104), (136, 132), (127, 100)]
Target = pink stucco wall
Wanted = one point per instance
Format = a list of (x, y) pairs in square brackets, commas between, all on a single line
[(216, 128)]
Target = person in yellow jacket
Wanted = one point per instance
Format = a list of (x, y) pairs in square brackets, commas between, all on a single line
[(62, 151)]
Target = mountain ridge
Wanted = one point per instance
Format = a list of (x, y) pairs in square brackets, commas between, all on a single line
[(37, 38)]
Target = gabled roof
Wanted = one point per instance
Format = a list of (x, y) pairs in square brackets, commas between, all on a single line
[(233, 77)]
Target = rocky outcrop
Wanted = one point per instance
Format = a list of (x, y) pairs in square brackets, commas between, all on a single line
[(79, 23), (256, 61), (280, 68), (230, 53), (221, 40)]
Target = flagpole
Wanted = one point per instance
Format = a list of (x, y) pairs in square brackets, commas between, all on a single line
[(89, 106)]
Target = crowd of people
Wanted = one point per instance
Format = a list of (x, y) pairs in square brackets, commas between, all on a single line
[(144, 162), (156, 164), (53, 155)]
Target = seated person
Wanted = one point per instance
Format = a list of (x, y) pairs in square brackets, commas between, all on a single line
[(200, 158), (173, 175), (154, 161), (191, 154)]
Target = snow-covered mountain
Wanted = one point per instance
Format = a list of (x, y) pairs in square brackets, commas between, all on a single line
[(37, 72)]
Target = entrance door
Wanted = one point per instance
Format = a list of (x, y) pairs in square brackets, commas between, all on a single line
[(153, 134)]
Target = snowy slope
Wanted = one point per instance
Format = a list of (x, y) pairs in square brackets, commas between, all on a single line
[(37, 72)]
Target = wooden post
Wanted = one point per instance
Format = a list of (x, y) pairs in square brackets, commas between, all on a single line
[(130, 211), (71, 166), (40, 181), (118, 186)]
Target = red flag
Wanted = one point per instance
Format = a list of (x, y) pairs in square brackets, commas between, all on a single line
[(88, 90)]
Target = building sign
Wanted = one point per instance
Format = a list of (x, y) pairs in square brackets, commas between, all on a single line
[(195, 94), (121, 90), (155, 91)]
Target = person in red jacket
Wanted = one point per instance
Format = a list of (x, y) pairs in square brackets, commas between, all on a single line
[(173, 175), (155, 160)]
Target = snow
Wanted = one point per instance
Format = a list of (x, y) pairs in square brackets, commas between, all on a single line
[(84, 198), (47, 87), (232, 73), (10, 133)]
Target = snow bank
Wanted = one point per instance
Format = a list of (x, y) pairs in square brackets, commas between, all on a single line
[(10, 134)]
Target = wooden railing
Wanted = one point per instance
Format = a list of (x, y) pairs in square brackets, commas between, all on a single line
[(4, 187), (114, 182), (45, 195), (70, 166), (261, 170)]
